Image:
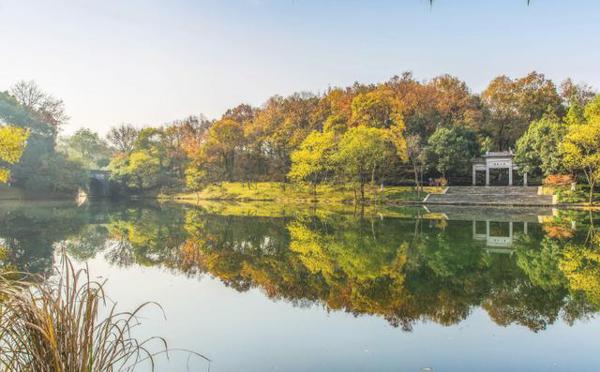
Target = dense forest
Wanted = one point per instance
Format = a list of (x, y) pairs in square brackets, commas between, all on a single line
[(399, 131)]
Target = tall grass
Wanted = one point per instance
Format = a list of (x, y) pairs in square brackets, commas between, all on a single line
[(54, 325)]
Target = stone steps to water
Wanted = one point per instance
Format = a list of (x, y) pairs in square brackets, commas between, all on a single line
[(493, 190), (490, 195)]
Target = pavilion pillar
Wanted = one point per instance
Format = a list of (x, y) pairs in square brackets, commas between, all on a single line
[(510, 176), (474, 176), (487, 175), (525, 179)]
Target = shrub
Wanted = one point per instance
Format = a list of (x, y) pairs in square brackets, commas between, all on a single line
[(559, 180), (440, 182)]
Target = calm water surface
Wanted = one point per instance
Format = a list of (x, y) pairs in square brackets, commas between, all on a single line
[(273, 288)]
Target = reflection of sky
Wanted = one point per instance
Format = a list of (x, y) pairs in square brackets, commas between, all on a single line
[(249, 332), (151, 61)]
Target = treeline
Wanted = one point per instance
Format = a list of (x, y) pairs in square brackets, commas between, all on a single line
[(398, 131), (402, 130), (41, 169)]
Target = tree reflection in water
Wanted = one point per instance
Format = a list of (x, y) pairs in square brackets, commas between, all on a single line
[(428, 267)]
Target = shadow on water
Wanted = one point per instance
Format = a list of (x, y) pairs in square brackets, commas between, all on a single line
[(526, 267)]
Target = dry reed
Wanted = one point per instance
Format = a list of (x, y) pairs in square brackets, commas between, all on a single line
[(53, 325)]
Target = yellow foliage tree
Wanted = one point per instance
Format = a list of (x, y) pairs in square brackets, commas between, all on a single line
[(12, 145), (581, 148), (311, 161), (581, 266)]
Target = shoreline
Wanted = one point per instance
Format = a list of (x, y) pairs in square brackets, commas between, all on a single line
[(273, 192)]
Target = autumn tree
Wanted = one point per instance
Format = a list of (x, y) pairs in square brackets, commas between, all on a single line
[(361, 153), (225, 138), (419, 101), (311, 162), (455, 104), (12, 145), (592, 109), (581, 149), (378, 109), (278, 128), (417, 156), (513, 104), (443, 101)]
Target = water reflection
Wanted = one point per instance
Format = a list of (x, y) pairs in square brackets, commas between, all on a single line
[(524, 267)]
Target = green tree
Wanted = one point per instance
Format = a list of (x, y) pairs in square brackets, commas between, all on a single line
[(12, 145), (311, 162), (195, 179), (140, 170), (362, 152), (40, 143), (88, 148), (575, 114), (451, 150), (64, 175), (539, 148)]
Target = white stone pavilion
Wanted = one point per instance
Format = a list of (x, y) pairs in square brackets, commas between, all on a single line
[(496, 160)]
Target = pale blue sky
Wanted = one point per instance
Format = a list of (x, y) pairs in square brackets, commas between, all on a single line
[(150, 61)]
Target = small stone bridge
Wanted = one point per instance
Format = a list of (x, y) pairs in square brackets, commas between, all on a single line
[(99, 184)]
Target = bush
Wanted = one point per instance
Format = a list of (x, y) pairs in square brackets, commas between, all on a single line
[(559, 180), (440, 182), (568, 196)]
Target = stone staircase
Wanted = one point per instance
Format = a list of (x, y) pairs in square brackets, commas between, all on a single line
[(490, 195)]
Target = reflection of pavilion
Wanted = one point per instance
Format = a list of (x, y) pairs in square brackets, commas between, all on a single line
[(499, 240), (497, 227)]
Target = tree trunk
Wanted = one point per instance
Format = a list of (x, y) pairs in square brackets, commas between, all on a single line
[(362, 191), (591, 200), (421, 180), (373, 176), (417, 186)]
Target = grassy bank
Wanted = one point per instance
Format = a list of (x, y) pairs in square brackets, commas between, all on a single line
[(15, 193), (11, 193), (274, 191)]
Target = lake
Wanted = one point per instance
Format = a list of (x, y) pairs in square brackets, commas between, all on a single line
[(263, 287)]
